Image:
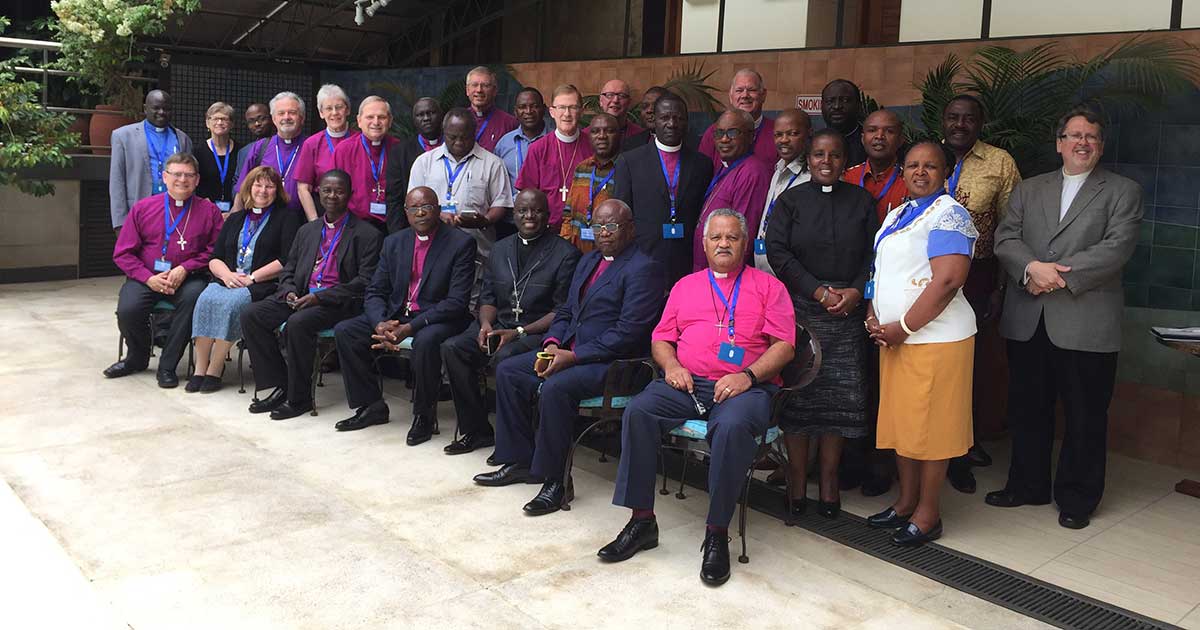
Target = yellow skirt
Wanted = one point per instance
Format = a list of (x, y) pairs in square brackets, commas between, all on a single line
[(925, 399)]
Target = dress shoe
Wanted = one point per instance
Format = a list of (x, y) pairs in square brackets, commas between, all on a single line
[(270, 403), (550, 498), (194, 383), (210, 384), (639, 534), (1073, 521), (976, 456), (876, 486), (122, 368), (910, 534), (1006, 498), (167, 379), (961, 477), (798, 506), (888, 519), (829, 509), (714, 559), (468, 442), (289, 410), (423, 429), (507, 475), (375, 413), (491, 460)]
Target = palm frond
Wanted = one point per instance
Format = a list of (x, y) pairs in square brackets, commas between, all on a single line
[(691, 84), (937, 89)]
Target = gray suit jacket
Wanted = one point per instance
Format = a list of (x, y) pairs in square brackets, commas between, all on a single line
[(129, 171), (1095, 239)]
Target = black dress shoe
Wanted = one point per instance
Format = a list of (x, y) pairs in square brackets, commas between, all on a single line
[(978, 457), (491, 460), (375, 413), (122, 368), (714, 559), (876, 486), (270, 403), (210, 384), (423, 429), (550, 498), (468, 442), (194, 383), (961, 477), (167, 379), (910, 534), (507, 475), (1006, 498), (799, 506), (888, 519), (639, 534), (829, 509), (289, 410), (1073, 521)]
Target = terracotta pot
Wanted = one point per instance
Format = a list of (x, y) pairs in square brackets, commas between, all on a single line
[(80, 126), (102, 125)]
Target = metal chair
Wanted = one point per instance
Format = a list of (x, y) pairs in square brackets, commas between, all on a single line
[(325, 347), (690, 438)]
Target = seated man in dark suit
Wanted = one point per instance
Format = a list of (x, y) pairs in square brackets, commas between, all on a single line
[(614, 300), (430, 309), (327, 270), (524, 282)]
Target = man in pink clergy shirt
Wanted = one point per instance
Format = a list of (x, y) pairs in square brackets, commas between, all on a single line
[(491, 122), (163, 248), (365, 159), (550, 165), (748, 94), (740, 181), (725, 335)]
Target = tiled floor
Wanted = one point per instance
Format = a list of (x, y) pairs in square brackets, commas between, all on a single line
[(161, 509)]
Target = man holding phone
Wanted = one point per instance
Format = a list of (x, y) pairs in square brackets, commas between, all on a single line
[(524, 281)]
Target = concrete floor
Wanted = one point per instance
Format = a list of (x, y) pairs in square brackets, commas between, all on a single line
[(124, 505)]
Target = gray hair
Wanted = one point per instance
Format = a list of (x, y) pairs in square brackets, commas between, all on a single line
[(483, 70), (328, 91), (727, 212), (219, 108), (374, 99), (284, 96), (748, 72)]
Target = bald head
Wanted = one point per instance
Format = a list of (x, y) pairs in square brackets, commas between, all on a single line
[(531, 212), (615, 99), (733, 134), (158, 108), (421, 208)]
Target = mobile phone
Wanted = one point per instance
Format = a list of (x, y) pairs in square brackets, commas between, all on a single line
[(493, 343)]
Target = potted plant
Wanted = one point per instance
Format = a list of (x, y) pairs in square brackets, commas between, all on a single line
[(98, 40)]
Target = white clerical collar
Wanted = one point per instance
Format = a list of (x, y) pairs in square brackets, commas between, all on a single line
[(337, 134), (331, 225), (376, 143), (1076, 178), (720, 274), (160, 129), (256, 210), (528, 241), (565, 138), (666, 149), (608, 258), (827, 189), (178, 202), (422, 238), (286, 140)]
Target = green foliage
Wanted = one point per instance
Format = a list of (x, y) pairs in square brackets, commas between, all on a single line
[(690, 83), (452, 95), (30, 136)]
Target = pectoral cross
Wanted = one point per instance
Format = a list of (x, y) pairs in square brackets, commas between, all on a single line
[(408, 308), (378, 191), (182, 242), (517, 310), (563, 191)]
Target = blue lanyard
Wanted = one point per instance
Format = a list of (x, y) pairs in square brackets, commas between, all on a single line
[(329, 141), (909, 212), (771, 207), (222, 166), (953, 184), (722, 174), (483, 127), (731, 303), (247, 236), (424, 145), (863, 179), (376, 169), (283, 172), (672, 182), (520, 154), (169, 225), (326, 254), (157, 150), (450, 177), (593, 190)]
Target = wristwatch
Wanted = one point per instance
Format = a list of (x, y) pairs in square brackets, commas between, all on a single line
[(520, 332), (753, 378), (251, 276)]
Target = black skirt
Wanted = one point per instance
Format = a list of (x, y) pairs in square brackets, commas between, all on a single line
[(836, 400)]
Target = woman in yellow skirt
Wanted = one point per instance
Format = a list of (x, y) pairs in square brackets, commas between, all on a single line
[(926, 332)]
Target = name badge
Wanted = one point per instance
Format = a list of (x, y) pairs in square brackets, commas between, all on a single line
[(672, 230), (869, 290), (157, 188), (224, 206), (587, 234), (161, 265), (378, 208), (730, 353), (449, 207), (760, 246), (317, 289)]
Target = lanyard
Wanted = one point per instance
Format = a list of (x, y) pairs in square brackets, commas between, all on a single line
[(953, 184), (376, 169), (722, 174), (672, 182), (906, 216), (774, 199), (157, 150), (222, 165), (483, 127), (450, 177), (593, 190), (425, 145), (283, 172), (520, 154), (248, 237), (863, 179), (731, 303), (325, 255), (169, 224), (329, 142)]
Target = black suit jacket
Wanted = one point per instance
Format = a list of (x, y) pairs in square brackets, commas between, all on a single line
[(640, 183), (399, 165), (357, 254), (273, 244), (446, 279), (551, 265)]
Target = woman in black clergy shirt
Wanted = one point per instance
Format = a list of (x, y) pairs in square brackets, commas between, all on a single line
[(249, 254), (819, 244)]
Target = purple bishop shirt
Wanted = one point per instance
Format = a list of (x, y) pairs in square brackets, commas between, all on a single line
[(743, 189), (499, 122), (316, 157), (549, 166), (351, 158), (277, 154), (764, 144), (141, 239)]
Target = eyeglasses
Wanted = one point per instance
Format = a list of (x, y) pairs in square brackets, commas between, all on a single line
[(181, 175), (611, 228), (221, 119), (566, 108), (1081, 137), (612, 95), (425, 207), (732, 134), (480, 86)]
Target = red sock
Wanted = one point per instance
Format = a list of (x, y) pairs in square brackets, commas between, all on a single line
[(641, 515), (713, 529)]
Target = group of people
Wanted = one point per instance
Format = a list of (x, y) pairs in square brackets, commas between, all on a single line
[(547, 251)]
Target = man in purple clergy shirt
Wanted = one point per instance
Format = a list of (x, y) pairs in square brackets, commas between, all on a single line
[(746, 93), (491, 122), (365, 158), (740, 181), (550, 165), (164, 248), (281, 150)]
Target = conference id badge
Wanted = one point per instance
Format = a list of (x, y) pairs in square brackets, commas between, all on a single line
[(869, 290), (378, 208), (158, 187), (224, 206), (760, 246), (317, 289), (587, 234), (730, 353), (672, 230), (162, 265), (449, 207)]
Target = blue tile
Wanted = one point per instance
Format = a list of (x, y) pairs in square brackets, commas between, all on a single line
[(1137, 295), (1138, 142), (1173, 215), (1177, 186), (1180, 109), (1175, 236), (1146, 233), (1175, 299), (1146, 175), (1171, 267), (1181, 145), (1137, 270)]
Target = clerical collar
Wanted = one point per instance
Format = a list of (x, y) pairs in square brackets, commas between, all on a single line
[(529, 241), (565, 138), (720, 274), (178, 202), (337, 134), (827, 189), (159, 129), (286, 140), (666, 149), (341, 219), (376, 143), (608, 258), (256, 210), (1076, 178), (422, 238)]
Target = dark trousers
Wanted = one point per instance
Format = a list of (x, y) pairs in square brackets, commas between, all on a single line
[(261, 319), (1040, 372), (543, 450), (463, 359), (356, 357), (134, 304), (733, 430)]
